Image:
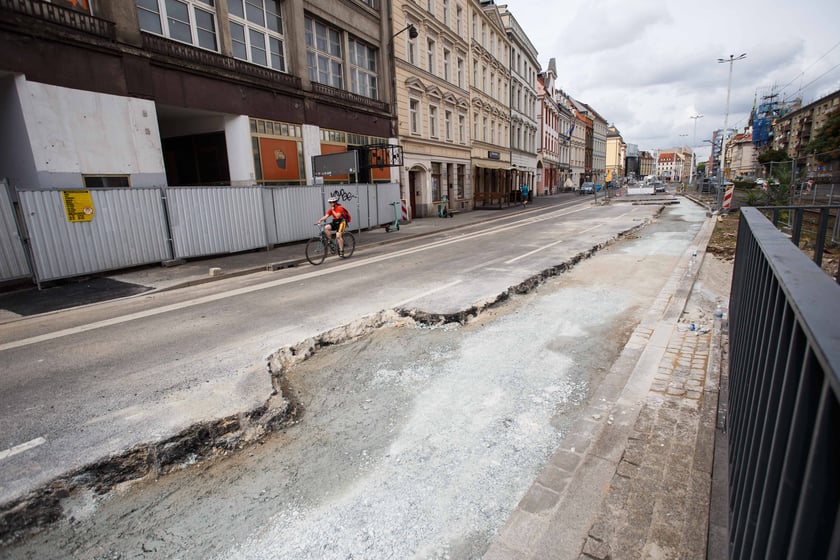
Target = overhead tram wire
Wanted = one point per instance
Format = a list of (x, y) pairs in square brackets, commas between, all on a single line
[(799, 90)]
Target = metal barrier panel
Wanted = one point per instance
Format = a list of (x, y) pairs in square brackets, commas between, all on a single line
[(127, 228), (354, 197), (291, 211), (386, 193), (215, 220), (13, 264), (784, 401)]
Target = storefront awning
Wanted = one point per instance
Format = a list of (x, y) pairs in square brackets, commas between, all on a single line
[(494, 165)]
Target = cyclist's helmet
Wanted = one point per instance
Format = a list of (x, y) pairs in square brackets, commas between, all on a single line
[(333, 199)]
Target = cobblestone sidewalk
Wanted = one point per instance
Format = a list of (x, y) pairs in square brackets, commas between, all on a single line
[(657, 504)]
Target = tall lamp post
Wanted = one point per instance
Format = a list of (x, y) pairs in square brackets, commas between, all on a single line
[(730, 60), (693, 144)]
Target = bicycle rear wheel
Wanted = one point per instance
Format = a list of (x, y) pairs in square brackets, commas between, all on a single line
[(316, 251), (349, 244)]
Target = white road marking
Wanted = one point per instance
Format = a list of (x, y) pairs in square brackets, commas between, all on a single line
[(21, 448), (529, 253), (429, 292)]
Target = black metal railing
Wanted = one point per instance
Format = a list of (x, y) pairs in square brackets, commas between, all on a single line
[(348, 96), (183, 52), (784, 401), (812, 228), (61, 16)]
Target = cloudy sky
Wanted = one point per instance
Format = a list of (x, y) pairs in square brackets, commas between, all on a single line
[(648, 66)]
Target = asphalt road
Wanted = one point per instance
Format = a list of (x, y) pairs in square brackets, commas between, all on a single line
[(86, 384), (412, 441)]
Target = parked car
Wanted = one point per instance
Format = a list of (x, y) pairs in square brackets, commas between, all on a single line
[(589, 188), (658, 186)]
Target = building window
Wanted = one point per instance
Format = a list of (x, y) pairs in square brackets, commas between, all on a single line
[(435, 181), (447, 64), (414, 116), (433, 121), (187, 21), (256, 30), (460, 71), (484, 129), (459, 21), (446, 12), (106, 181), (447, 121), (462, 126), (323, 53), (430, 6), (431, 54), (475, 126), (363, 76), (461, 174)]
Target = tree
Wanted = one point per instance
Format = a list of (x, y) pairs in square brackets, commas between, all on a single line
[(773, 156), (826, 143)]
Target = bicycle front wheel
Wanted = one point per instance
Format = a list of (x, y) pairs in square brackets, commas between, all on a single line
[(349, 244), (316, 251)]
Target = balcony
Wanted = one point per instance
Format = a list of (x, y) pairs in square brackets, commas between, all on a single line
[(182, 52), (64, 17), (349, 97)]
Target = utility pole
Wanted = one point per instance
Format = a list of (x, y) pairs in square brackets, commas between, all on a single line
[(730, 60), (693, 144)]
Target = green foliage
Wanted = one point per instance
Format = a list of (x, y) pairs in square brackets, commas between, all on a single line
[(778, 194), (701, 168), (756, 197), (771, 156), (826, 142)]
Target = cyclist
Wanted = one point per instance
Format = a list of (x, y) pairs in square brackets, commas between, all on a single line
[(338, 214)]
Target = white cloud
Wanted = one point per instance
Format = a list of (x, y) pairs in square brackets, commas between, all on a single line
[(648, 66)]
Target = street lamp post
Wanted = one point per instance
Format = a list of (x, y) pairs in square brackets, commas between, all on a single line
[(730, 60), (693, 144)]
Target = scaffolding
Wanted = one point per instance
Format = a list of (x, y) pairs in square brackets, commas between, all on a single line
[(766, 109)]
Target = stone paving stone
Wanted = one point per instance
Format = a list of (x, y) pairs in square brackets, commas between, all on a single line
[(657, 503), (594, 548), (554, 479), (539, 499)]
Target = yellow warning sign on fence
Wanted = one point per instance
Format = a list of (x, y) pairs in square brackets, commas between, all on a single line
[(78, 205)]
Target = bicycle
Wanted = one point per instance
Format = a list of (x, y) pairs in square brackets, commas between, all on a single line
[(319, 247)]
